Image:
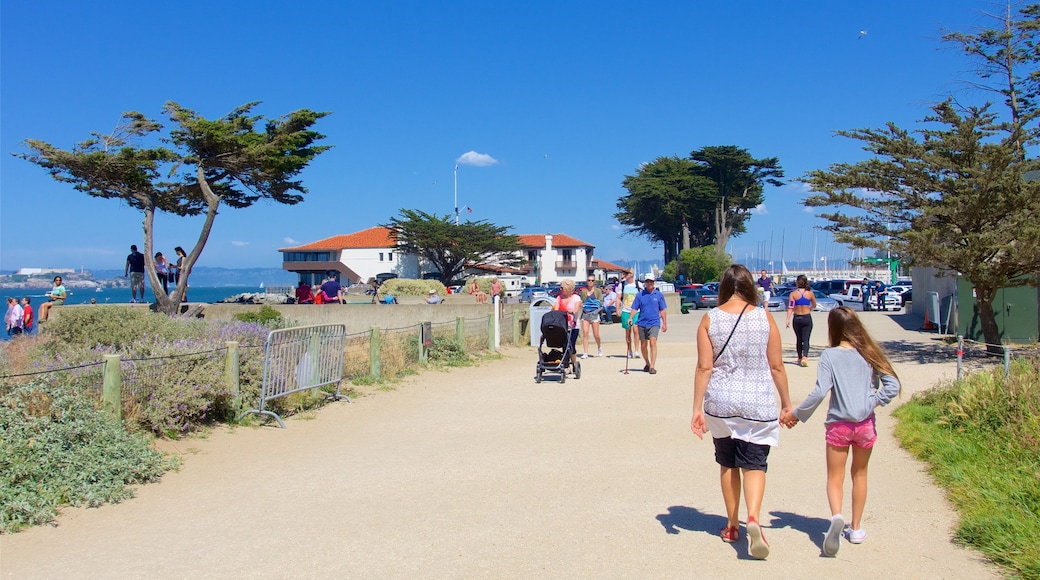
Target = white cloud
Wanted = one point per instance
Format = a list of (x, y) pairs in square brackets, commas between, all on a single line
[(289, 240), (808, 209), (239, 244), (760, 209), (476, 159), (615, 226)]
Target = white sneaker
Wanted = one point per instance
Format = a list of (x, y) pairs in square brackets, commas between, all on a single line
[(832, 541), (584, 356), (856, 536), (629, 354), (600, 353)]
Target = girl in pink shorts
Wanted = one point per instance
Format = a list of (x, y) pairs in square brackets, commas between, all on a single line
[(859, 378)]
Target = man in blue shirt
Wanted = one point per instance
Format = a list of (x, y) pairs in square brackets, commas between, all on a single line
[(881, 292), (653, 318)]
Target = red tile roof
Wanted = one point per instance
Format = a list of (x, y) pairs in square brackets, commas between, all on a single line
[(376, 237), (608, 266), (558, 241)]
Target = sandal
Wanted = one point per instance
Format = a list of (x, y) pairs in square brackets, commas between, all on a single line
[(730, 534), (758, 547)]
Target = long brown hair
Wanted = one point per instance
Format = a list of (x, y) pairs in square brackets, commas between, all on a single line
[(738, 280), (844, 325)]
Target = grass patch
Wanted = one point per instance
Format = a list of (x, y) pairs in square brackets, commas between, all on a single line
[(981, 439)]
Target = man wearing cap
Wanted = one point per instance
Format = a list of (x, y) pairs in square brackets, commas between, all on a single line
[(653, 318), (433, 298)]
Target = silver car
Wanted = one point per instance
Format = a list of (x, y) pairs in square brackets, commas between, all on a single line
[(779, 303)]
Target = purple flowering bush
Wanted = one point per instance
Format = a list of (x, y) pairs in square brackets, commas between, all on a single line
[(173, 369)]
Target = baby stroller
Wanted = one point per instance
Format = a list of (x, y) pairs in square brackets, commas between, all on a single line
[(556, 336)]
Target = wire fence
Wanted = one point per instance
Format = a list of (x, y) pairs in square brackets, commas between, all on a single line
[(369, 355)]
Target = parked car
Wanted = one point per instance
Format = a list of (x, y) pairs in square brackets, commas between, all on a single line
[(455, 289), (712, 287), (697, 298), (907, 296), (532, 293), (823, 303)]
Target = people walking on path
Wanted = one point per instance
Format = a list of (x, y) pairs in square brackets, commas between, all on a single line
[(629, 290), (56, 297), (739, 366), (570, 303), (800, 305), (859, 378), (135, 270), (591, 310), (653, 319), (766, 284)]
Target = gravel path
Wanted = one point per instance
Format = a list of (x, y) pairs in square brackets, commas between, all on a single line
[(479, 473)]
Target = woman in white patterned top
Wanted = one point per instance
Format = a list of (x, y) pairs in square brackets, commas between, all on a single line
[(740, 370)]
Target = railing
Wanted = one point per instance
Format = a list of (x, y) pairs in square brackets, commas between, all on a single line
[(122, 385), (301, 358)]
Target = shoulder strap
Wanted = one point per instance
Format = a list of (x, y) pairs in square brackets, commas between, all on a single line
[(724, 345)]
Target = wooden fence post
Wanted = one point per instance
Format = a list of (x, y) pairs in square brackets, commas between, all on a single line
[(112, 388), (373, 353), (460, 332), (491, 332), (424, 352), (516, 328), (231, 374)]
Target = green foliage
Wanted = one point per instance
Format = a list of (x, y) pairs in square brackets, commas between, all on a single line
[(698, 265), (959, 193), (711, 194), (981, 438), (448, 351), (175, 367), (267, 316), (56, 449), (236, 160), (407, 287), (449, 246), (113, 326)]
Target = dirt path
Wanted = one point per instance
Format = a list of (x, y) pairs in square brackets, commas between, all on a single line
[(482, 473)]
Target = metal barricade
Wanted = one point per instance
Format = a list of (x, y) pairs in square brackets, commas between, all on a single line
[(301, 358)]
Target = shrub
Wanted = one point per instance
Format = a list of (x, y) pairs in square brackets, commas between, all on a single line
[(407, 287), (266, 315), (981, 438), (58, 449)]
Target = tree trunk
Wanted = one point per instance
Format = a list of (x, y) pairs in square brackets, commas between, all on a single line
[(988, 320), (171, 304), (722, 227)]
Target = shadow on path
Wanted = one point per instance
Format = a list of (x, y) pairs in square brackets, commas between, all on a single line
[(814, 528)]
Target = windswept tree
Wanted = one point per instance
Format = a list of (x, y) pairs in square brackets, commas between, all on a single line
[(668, 202), (959, 194), (450, 247), (699, 201), (235, 160), (740, 180)]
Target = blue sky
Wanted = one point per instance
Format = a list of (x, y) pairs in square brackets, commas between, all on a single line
[(560, 100)]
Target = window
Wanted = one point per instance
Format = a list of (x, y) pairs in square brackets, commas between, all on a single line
[(391, 257), (380, 256)]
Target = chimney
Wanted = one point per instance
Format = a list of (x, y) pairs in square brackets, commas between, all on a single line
[(548, 241)]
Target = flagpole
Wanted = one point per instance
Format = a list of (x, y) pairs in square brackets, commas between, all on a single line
[(456, 194)]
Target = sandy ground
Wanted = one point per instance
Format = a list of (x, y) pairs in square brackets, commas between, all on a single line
[(481, 473)]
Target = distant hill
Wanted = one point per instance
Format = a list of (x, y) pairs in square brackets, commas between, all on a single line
[(211, 277)]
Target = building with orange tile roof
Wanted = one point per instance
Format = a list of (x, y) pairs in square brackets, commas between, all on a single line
[(374, 253)]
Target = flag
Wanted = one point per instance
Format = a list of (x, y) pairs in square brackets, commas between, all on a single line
[(469, 209)]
